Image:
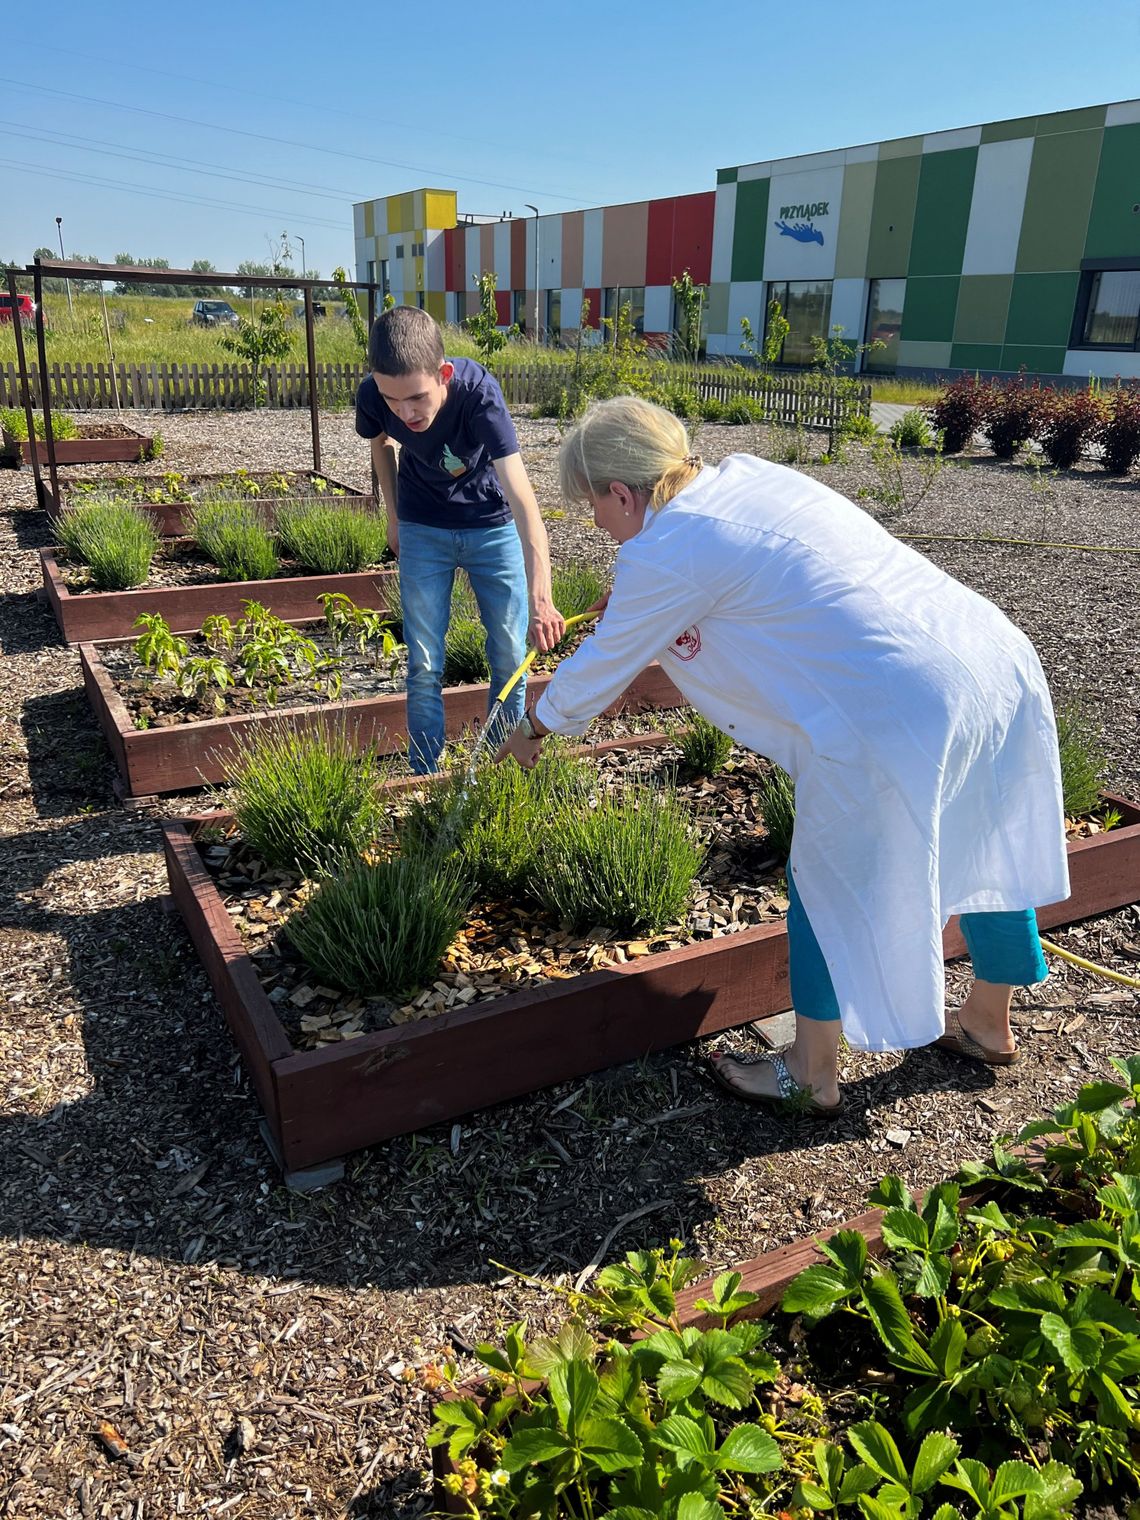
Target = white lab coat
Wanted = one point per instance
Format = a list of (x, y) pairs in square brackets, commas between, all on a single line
[(912, 715)]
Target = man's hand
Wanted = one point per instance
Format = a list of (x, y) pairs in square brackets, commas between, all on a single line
[(394, 537), (520, 746), (547, 625)]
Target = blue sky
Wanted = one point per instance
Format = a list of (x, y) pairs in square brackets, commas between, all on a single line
[(205, 132)]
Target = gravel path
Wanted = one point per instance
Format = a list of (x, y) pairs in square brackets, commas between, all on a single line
[(257, 1350)]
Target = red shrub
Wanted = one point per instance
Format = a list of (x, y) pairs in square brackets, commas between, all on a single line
[(960, 411), (1014, 417), (1120, 433), (1070, 420)]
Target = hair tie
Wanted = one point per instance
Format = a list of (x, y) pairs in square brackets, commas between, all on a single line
[(695, 461)]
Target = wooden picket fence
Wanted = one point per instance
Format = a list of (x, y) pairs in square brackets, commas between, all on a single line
[(788, 398)]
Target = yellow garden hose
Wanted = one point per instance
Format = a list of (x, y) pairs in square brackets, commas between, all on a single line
[(1077, 960), (1067, 955), (571, 622)]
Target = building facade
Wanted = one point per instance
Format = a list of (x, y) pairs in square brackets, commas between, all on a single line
[(995, 248)]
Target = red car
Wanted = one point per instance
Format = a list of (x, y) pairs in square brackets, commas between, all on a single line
[(24, 305)]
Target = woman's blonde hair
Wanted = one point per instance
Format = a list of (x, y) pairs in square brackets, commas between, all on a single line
[(630, 440)]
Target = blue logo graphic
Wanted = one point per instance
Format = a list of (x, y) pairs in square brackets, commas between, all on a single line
[(803, 232)]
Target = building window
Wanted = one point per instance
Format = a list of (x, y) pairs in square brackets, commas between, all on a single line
[(371, 275), (384, 283), (884, 323), (553, 315), (420, 299), (806, 305), (617, 296), (518, 309), (399, 250), (1108, 309)]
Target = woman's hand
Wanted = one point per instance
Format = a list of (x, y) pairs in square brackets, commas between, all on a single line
[(521, 747), (600, 605)]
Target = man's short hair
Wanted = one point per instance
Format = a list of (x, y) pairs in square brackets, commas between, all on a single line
[(404, 341)]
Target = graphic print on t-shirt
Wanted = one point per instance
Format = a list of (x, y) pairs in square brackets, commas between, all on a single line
[(452, 463), (687, 645)]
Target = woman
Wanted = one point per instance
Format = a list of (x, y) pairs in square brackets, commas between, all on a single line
[(912, 716)]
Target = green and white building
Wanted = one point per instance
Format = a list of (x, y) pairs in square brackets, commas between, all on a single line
[(993, 247)]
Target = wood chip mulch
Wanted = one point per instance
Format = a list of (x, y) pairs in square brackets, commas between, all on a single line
[(181, 1335)]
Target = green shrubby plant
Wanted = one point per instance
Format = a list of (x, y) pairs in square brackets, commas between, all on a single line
[(705, 749), (305, 800), (628, 861), (1083, 765), (1119, 434), (911, 430), (575, 588), (329, 537), (380, 926), (776, 798), (465, 653), (113, 538), (15, 424), (234, 535)]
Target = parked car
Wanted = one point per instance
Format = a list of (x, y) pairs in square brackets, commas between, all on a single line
[(214, 314), (24, 305), (318, 309)]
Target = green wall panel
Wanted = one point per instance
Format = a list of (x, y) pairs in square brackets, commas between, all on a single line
[(1006, 131), (726, 176), (892, 216), (975, 356), (900, 147), (1037, 360), (855, 221), (1088, 118), (928, 313), (750, 229), (983, 305), (1057, 201), (1041, 308), (942, 211), (924, 355), (1114, 227)]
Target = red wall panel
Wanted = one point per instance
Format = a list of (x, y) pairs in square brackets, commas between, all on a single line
[(659, 253), (692, 236)]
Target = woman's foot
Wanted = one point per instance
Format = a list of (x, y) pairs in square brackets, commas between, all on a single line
[(980, 1028), (778, 1080)]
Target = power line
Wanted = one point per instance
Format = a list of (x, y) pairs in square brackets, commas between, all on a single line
[(289, 142), (307, 105), (158, 160), (154, 192)]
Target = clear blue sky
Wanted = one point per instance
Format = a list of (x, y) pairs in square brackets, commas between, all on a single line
[(125, 119)]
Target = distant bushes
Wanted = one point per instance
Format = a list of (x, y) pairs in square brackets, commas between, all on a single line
[(1068, 423)]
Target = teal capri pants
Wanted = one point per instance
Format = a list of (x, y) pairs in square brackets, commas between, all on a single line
[(1004, 948)]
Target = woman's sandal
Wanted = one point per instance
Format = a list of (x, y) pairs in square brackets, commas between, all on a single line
[(957, 1040), (791, 1098)]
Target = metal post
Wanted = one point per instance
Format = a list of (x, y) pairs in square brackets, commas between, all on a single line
[(301, 240), (45, 387), (311, 347), (63, 260), (371, 306), (110, 347), (529, 207), (25, 385)]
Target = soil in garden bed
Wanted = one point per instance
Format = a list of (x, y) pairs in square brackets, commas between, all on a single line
[(172, 486), (159, 704), (177, 562), (505, 947)]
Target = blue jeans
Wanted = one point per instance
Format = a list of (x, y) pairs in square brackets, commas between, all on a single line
[(1004, 948), (429, 558)]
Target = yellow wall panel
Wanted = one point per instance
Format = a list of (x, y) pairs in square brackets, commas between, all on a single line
[(440, 208), (394, 222), (369, 219), (436, 303)]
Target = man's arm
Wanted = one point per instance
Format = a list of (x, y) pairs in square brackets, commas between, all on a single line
[(546, 622), (384, 463)]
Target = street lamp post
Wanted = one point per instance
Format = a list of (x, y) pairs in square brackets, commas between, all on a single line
[(63, 257), (529, 207), (301, 240)]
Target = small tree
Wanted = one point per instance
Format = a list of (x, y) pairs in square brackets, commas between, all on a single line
[(484, 325), (351, 307), (690, 300), (768, 352), (267, 337)]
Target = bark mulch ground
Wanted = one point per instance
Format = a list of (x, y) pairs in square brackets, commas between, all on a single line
[(256, 1351)]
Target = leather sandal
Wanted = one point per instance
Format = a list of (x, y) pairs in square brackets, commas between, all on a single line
[(791, 1098), (960, 1043)]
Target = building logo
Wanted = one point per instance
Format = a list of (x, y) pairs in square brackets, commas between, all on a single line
[(798, 222)]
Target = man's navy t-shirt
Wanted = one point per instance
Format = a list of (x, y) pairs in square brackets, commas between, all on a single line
[(446, 476)]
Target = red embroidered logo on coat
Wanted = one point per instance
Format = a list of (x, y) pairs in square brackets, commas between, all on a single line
[(687, 646)]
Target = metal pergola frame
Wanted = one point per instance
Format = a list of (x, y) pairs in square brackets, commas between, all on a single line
[(132, 274)]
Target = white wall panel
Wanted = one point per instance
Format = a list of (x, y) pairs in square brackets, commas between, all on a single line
[(380, 217), (1122, 114), (1082, 362), (996, 207), (754, 171), (358, 220), (865, 153), (745, 299), (658, 308), (943, 142), (473, 259), (572, 308), (435, 262), (718, 344), (591, 249), (724, 227), (808, 163), (550, 252), (786, 257)]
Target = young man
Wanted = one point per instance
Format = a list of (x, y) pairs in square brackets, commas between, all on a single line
[(461, 499)]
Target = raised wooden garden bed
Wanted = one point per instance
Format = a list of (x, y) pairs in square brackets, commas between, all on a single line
[(321, 1104), (171, 515), (91, 616), (156, 760), (98, 443)]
